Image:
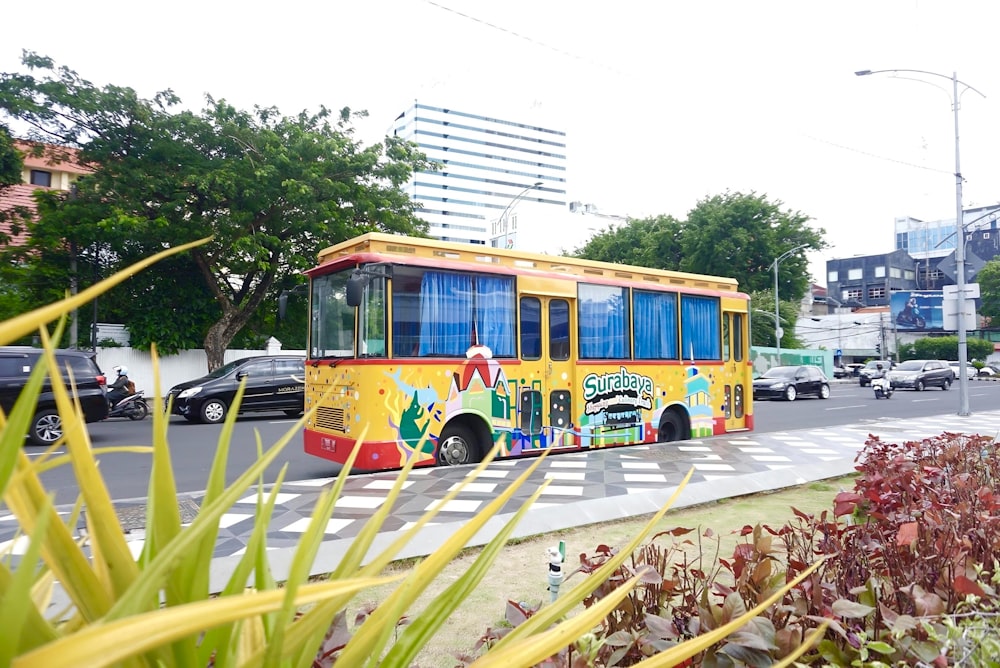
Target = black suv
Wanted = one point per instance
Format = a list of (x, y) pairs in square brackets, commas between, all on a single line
[(16, 363), (274, 383), (918, 374)]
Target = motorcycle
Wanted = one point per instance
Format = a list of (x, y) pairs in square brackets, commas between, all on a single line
[(882, 388), (133, 407), (911, 318)]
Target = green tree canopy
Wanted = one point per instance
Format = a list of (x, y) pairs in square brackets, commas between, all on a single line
[(644, 242), (10, 160), (946, 348), (989, 290), (740, 235), (733, 234), (270, 190)]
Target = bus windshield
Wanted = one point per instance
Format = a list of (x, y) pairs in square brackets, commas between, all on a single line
[(331, 327)]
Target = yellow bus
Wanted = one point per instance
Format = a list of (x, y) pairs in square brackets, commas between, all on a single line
[(445, 350)]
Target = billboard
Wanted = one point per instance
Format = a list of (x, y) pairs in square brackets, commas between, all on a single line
[(917, 311)]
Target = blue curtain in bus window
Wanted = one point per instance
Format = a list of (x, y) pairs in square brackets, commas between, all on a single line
[(445, 314), (655, 325), (495, 314), (701, 337), (603, 322)]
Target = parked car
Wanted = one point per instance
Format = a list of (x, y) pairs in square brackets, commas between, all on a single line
[(273, 383), (789, 382), (970, 371), (869, 370), (855, 368), (918, 374), (990, 370), (16, 363), (842, 372)]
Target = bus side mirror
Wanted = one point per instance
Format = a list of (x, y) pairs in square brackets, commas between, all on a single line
[(356, 289)]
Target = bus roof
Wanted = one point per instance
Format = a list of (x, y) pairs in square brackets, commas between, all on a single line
[(403, 246)]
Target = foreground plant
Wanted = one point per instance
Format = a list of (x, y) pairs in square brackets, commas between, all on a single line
[(158, 610)]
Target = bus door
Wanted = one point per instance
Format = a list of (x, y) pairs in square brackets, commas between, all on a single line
[(545, 389), (734, 354)]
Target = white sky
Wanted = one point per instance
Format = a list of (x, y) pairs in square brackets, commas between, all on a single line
[(665, 103)]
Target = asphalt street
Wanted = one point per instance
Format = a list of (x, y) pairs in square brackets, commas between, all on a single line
[(584, 488)]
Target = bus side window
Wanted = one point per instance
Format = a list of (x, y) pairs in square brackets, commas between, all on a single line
[(738, 337), (725, 336), (531, 328), (558, 330)]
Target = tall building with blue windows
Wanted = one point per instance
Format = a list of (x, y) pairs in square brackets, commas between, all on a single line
[(492, 175)]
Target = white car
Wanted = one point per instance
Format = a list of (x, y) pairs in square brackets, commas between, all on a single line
[(970, 371)]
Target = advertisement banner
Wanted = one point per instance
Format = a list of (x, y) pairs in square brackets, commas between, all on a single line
[(917, 311)]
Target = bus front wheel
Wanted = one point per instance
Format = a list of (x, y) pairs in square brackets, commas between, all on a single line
[(456, 446), (671, 428)]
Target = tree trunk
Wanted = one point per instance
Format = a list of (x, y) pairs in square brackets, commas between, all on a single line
[(216, 342)]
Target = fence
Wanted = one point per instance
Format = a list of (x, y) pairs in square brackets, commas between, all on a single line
[(764, 357), (174, 369)]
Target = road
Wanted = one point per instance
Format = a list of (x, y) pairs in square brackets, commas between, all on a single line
[(193, 445)]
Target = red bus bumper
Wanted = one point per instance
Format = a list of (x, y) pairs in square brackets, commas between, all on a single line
[(374, 455)]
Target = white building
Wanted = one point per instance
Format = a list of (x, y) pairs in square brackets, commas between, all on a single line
[(495, 177)]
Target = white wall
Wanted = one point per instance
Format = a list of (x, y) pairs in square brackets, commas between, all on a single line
[(174, 369)]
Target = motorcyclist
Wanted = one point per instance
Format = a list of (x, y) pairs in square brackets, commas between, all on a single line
[(119, 389)]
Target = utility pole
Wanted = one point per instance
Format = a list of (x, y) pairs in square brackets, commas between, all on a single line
[(881, 333)]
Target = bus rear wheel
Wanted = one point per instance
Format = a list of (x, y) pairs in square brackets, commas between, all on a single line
[(457, 446), (671, 428)]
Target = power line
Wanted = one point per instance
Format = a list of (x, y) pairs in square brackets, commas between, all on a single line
[(524, 38), (879, 157)]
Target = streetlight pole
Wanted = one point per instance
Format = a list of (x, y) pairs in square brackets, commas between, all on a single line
[(502, 220), (963, 348), (777, 314)]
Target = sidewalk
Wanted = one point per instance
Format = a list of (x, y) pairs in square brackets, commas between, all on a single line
[(585, 488)]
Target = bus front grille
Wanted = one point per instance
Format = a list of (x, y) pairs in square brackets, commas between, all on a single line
[(331, 419)]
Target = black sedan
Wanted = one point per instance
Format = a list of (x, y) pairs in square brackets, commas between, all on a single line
[(273, 383), (789, 382)]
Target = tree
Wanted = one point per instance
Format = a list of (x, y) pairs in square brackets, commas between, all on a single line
[(946, 348), (762, 321), (12, 297), (270, 190), (739, 236), (732, 235), (645, 242), (10, 160), (989, 289)]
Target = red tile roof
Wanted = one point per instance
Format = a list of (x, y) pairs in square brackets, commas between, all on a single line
[(58, 158), (54, 158), (14, 196)]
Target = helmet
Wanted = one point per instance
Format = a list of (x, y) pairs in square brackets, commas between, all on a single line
[(878, 365), (121, 370)]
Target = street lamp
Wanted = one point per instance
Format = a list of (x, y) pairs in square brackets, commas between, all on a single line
[(502, 220), (777, 315), (963, 350)]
